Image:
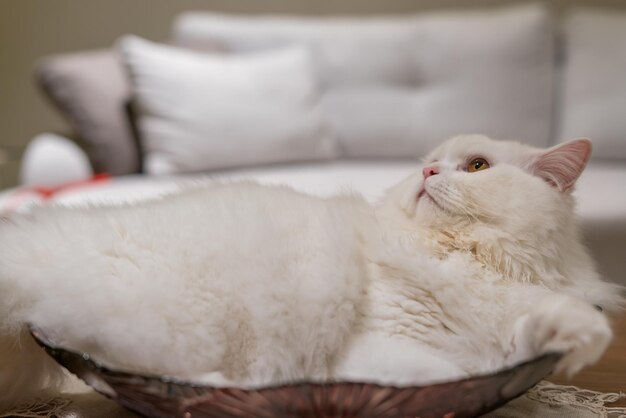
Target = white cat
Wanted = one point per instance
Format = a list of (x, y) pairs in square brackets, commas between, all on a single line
[(473, 264)]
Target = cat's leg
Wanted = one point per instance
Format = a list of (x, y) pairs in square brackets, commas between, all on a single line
[(375, 357), (560, 323)]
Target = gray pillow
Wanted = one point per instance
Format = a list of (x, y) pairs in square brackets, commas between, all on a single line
[(91, 90), (594, 81), (398, 86)]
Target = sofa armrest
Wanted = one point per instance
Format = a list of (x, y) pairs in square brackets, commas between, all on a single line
[(51, 159)]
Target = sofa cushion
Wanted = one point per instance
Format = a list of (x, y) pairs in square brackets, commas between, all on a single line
[(397, 86), (204, 111), (91, 90), (594, 80), (601, 206)]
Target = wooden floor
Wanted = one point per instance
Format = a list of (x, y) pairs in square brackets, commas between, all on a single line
[(609, 374)]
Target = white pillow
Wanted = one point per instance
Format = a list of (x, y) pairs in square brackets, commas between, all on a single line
[(200, 111)]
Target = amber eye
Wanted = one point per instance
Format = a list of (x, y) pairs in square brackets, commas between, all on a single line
[(477, 164)]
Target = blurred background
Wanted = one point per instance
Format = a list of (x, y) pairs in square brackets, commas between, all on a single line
[(32, 29)]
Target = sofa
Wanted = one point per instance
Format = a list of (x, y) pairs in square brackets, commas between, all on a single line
[(347, 103)]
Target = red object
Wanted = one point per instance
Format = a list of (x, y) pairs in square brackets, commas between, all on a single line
[(47, 193)]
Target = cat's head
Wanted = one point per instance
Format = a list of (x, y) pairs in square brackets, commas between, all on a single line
[(477, 179), (508, 204)]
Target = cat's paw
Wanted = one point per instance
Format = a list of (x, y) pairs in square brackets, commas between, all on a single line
[(572, 327)]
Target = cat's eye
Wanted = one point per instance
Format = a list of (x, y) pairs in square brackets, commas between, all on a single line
[(477, 164)]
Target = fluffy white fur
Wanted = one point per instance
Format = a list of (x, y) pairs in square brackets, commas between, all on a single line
[(452, 275)]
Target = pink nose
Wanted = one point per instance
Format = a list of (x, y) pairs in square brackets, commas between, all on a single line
[(430, 171)]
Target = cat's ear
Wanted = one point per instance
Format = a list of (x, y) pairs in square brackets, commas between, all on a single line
[(562, 164)]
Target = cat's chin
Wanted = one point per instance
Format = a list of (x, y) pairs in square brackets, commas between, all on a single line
[(428, 208), (423, 196), (433, 216)]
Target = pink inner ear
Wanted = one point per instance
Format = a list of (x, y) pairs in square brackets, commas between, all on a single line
[(562, 165)]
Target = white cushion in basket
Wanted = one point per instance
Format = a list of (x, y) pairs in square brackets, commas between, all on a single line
[(397, 86), (202, 111), (594, 81)]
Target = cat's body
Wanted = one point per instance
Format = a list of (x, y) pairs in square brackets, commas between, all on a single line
[(247, 284)]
